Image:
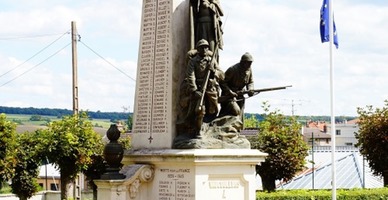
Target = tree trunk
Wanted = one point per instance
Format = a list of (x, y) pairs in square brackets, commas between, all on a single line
[(385, 178), (94, 186), (64, 182), (268, 183)]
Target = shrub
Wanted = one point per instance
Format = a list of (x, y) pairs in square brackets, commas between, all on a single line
[(352, 194)]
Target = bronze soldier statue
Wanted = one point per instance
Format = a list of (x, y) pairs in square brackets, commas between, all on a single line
[(207, 22), (201, 86), (238, 80)]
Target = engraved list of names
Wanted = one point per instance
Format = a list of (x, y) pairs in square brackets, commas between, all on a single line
[(153, 95), (175, 184)]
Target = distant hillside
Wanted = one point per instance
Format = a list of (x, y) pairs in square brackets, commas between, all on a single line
[(304, 119), (62, 112), (121, 115), (31, 128)]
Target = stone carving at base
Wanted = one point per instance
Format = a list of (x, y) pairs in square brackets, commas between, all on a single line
[(135, 176), (134, 188), (221, 133)]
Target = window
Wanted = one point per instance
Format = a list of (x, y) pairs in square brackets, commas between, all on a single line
[(349, 144), (54, 186), (338, 132)]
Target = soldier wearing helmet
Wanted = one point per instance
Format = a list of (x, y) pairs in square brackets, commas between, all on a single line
[(237, 79), (247, 57), (196, 73), (202, 42)]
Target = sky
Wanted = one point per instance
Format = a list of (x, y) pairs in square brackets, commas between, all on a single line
[(282, 36)]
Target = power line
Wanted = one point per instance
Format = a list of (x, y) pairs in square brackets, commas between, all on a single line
[(68, 32), (28, 36), (34, 54), (35, 65), (107, 61)]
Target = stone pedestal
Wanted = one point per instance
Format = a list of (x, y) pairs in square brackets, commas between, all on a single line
[(128, 188), (188, 175)]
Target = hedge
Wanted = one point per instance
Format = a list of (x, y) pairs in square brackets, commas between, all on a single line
[(352, 194)]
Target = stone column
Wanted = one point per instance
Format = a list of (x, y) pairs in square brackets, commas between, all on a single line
[(164, 42)]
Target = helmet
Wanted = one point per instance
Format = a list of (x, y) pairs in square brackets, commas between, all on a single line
[(247, 57), (202, 42)]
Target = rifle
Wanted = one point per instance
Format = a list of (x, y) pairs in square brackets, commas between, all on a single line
[(205, 83), (200, 112), (255, 92), (264, 90)]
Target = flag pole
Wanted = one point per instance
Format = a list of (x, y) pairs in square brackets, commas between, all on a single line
[(333, 130)]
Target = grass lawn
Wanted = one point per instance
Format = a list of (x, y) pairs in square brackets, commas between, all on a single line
[(6, 189), (25, 124)]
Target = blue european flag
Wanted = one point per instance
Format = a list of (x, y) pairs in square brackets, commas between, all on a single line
[(324, 25)]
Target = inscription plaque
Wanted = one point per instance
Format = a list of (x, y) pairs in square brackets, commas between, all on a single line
[(154, 66), (226, 187), (175, 184)]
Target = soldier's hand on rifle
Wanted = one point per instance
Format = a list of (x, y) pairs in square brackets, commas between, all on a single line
[(239, 93), (233, 94), (211, 68)]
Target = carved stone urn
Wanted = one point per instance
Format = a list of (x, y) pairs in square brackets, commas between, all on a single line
[(113, 154)]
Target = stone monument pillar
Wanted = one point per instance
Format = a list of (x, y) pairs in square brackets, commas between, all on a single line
[(152, 169), (164, 41)]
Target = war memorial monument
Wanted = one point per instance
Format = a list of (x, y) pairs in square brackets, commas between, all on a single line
[(186, 141)]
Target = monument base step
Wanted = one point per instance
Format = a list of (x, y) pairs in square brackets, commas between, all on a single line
[(187, 174)]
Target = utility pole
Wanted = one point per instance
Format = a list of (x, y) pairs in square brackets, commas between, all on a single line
[(312, 155), (74, 34), (74, 64)]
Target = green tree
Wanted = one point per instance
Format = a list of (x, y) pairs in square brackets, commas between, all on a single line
[(24, 183), (279, 136), (72, 143), (130, 122), (94, 171), (36, 118), (251, 122), (7, 148), (373, 138)]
